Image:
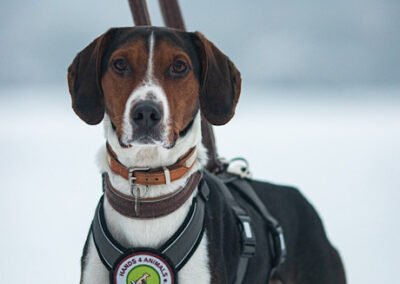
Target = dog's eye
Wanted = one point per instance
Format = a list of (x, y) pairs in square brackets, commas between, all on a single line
[(179, 68), (120, 65)]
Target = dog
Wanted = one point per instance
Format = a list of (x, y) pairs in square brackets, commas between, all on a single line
[(141, 280), (150, 86)]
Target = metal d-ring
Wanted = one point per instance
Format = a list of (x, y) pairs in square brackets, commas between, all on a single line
[(243, 171), (135, 189)]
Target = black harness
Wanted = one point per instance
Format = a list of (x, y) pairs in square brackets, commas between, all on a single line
[(126, 263), (227, 182)]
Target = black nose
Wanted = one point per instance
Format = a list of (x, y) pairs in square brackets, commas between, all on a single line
[(146, 114)]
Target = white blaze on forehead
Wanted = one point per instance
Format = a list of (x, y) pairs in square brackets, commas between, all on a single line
[(150, 69), (149, 89)]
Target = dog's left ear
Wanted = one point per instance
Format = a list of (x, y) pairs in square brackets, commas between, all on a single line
[(84, 82), (220, 82)]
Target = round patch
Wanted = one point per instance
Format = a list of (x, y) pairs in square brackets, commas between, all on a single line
[(143, 268)]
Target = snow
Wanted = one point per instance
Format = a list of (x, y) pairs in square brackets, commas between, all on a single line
[(340, 147)]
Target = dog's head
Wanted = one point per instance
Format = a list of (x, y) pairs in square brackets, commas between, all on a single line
[(152, 82)]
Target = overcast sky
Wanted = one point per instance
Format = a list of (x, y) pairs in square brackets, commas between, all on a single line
[(307, 42)]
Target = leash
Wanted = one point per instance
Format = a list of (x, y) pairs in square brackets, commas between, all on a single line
[(126, 264)]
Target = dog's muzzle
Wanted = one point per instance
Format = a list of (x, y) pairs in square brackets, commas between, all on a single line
[(146, 115), (146, 119)]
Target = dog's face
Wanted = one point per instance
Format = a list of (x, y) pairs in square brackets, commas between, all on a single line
[(152, 82)]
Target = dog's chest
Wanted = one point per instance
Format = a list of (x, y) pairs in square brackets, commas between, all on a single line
[(196, 270), (148, 233), (153, 233)]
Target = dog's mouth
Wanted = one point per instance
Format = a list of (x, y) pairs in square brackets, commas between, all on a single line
[(186, 129), (143, 139), (155, 139), (158, 136)]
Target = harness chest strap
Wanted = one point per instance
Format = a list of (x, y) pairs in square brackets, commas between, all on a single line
[(147, 176), (178, 249)]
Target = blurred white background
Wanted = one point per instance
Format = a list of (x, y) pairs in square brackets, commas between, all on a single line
[(319, 110)]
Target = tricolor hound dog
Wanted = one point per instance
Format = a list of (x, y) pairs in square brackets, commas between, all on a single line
[(150, 86)]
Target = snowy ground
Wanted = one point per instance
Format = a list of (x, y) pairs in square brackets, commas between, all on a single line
[(343, 153)]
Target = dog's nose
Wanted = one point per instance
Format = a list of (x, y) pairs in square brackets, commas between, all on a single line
[(146, 114)]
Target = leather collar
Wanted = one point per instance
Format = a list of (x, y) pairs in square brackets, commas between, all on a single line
[(145, 208), (147, 176)]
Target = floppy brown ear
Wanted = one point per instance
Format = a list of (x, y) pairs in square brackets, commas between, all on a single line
[(220, 82), (84, 82)]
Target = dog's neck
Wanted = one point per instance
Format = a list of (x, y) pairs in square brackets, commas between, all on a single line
[(153, 156), (125, 229)]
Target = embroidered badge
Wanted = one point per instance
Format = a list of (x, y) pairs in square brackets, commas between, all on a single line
[(143, 268)]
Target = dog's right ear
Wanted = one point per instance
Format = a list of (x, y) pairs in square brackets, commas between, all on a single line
[(84, 81)]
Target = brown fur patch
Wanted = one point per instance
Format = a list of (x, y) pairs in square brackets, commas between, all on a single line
[(117, 88), (182, 92)]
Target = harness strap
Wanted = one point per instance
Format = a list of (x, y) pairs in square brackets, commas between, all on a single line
[(279, 251), (275, 231), (178, 249), (248, 238)]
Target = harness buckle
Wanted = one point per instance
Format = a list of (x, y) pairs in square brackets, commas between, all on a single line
[(279, 246), (248, 238)]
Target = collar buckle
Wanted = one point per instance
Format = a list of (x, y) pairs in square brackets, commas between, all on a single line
[(132, 170), (155, 176)]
